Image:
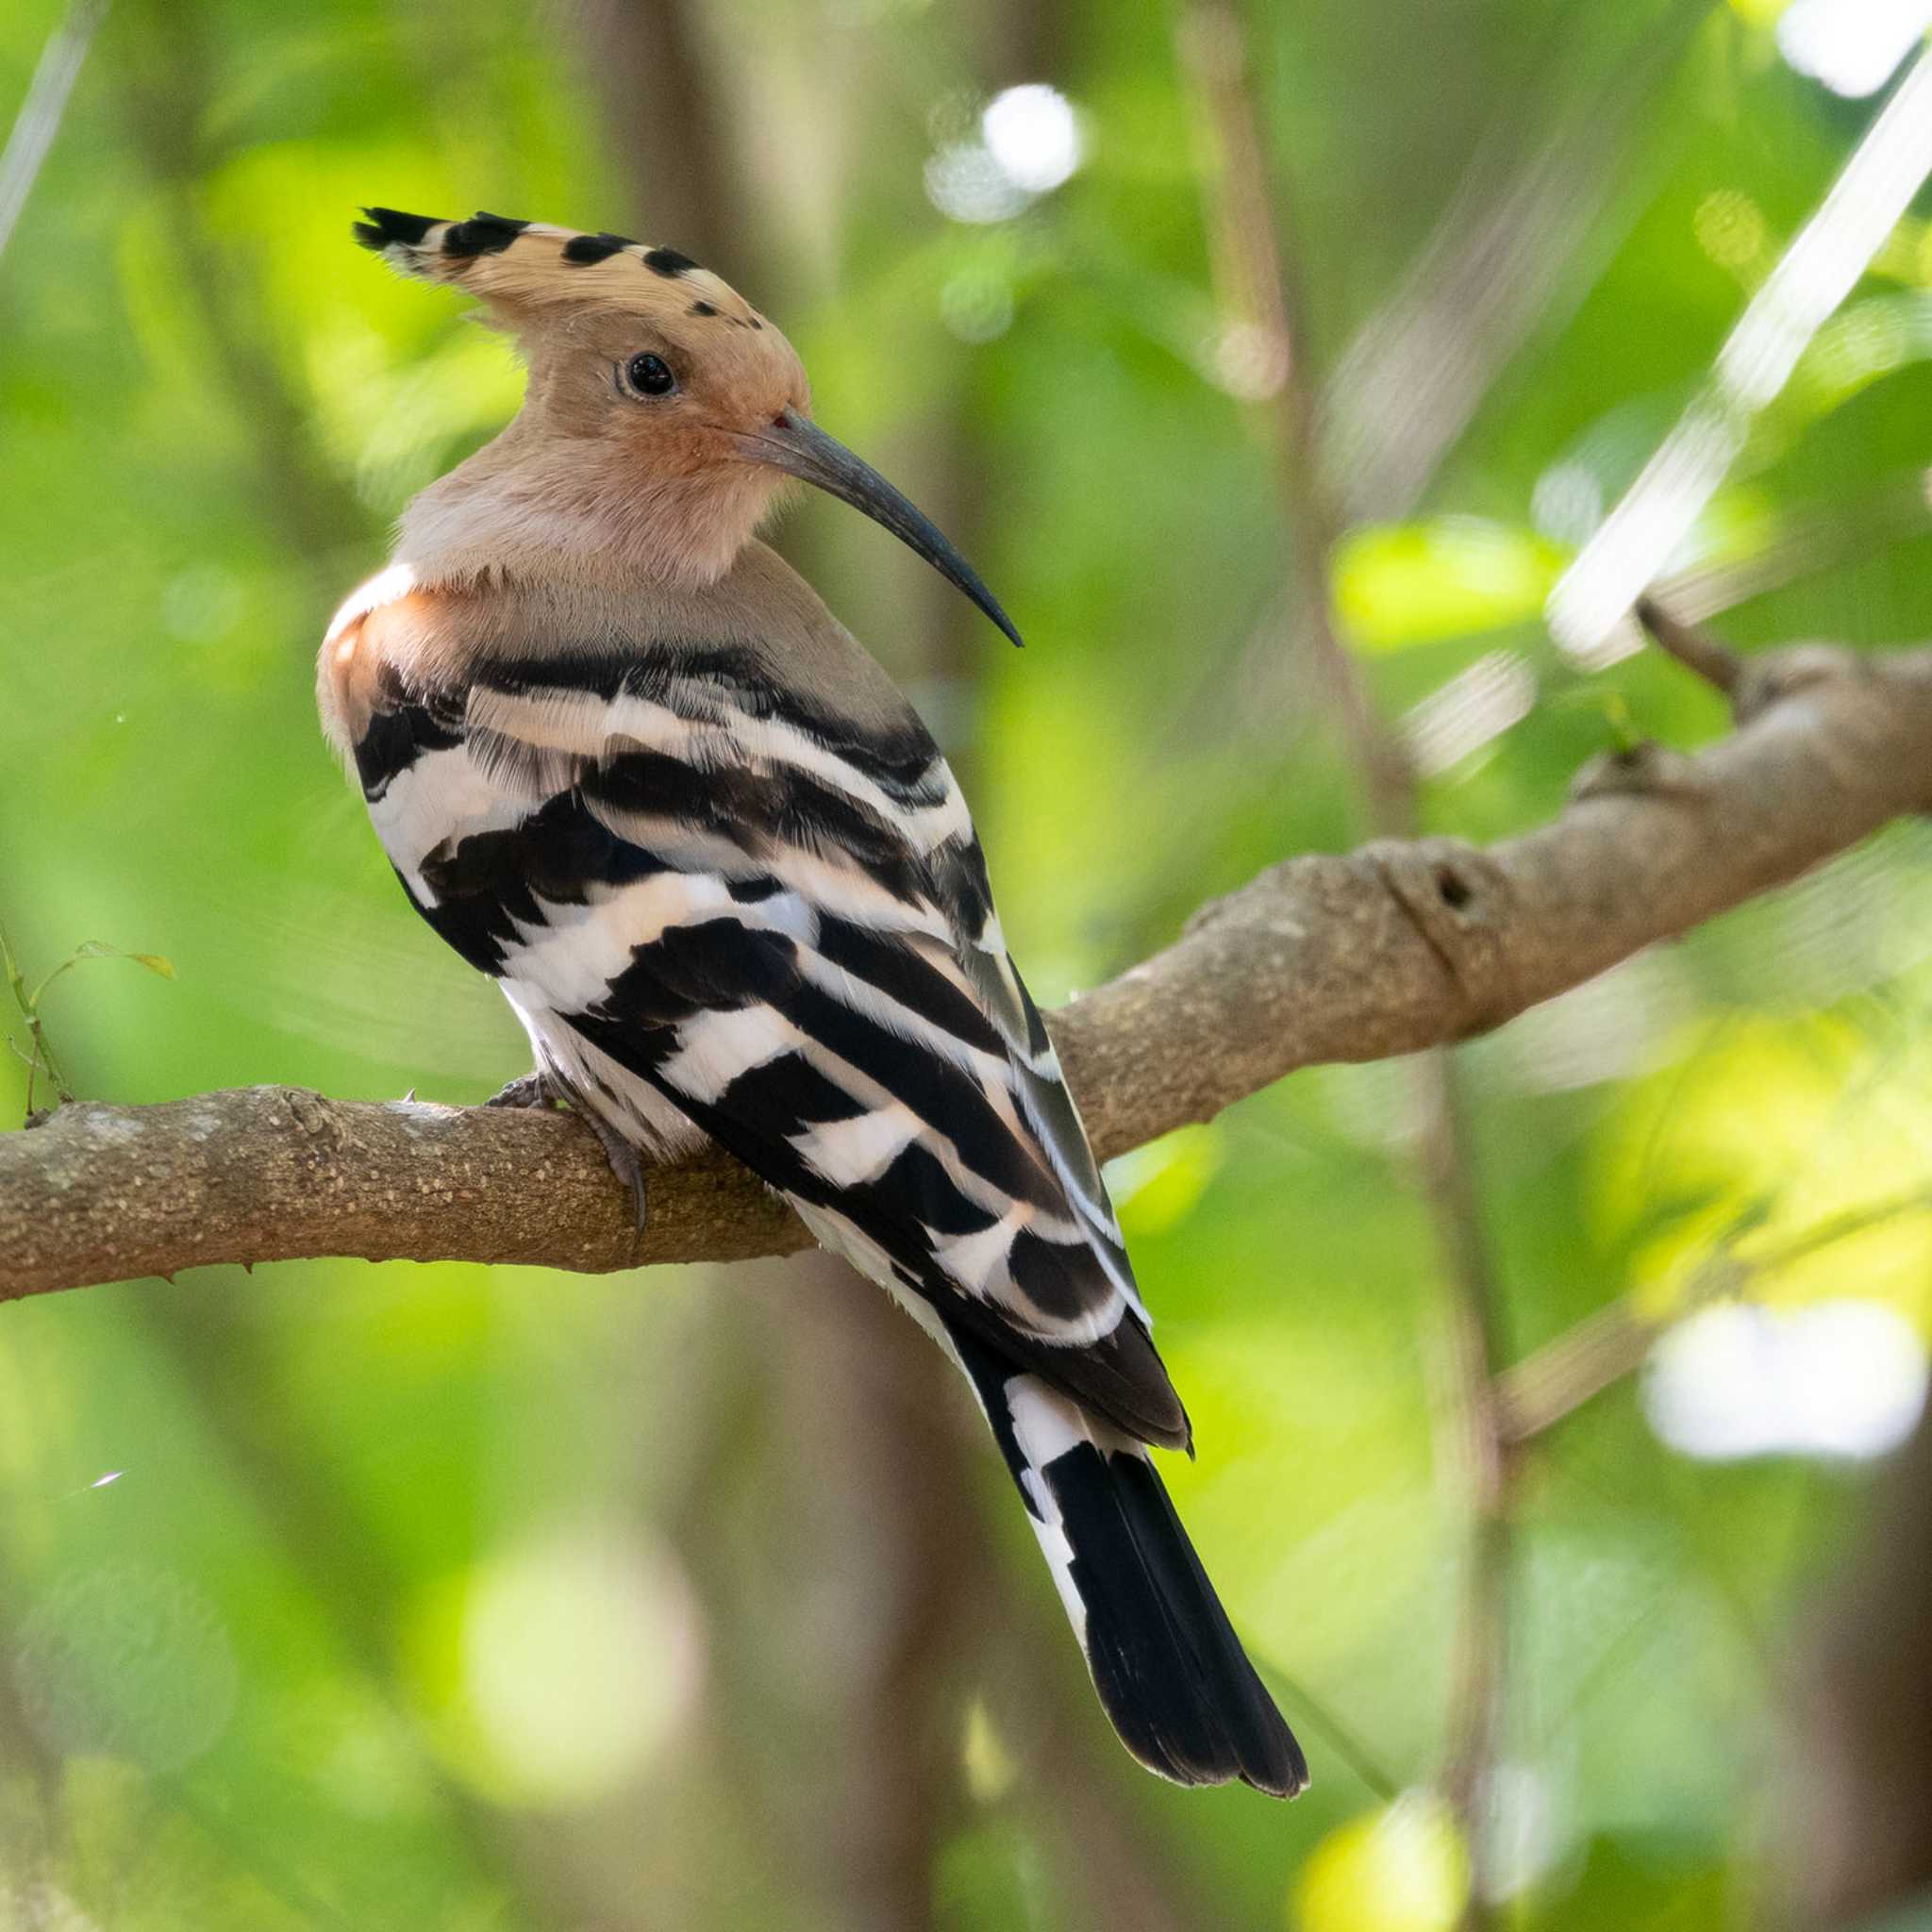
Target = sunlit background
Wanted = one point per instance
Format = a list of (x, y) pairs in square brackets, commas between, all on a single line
[(501, 1601)]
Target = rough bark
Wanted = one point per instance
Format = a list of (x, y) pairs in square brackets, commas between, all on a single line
[(1399, 946)]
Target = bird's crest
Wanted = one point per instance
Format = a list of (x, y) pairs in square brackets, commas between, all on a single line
[(537, 265)]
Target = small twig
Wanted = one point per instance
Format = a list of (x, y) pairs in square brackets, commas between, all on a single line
[(1694, 648), (29, 1005), (41, 1049), (1576, 1367)]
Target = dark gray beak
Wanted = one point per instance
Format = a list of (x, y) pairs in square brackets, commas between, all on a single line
[(797, 445)]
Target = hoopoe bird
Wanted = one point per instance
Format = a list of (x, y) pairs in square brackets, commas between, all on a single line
[(628, 764)]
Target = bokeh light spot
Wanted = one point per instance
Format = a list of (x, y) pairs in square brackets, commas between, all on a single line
[(561, 1670), (990, 1766), (1028, 144), (1402, 1869), (1402, 584), (1034, 135), (977, 306), (965, 183), (1248, 359), (36, 1905), (1842, 1380), (1851, 47), (1731, 229)]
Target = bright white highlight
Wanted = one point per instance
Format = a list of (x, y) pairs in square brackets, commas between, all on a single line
[(1033, 134), (1586, 607), (1475, 707), (1852, 46), (1841, 1379), (1028, 144), (1528, 1825)]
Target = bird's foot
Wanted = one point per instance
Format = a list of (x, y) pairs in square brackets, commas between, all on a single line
[(542, 1090), (624, 1161), (533, 1090)]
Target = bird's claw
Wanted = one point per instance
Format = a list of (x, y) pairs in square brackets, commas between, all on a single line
[(541, 1089), (624, 1162)]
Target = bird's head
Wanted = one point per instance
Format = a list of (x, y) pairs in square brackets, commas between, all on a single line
[(655, 388)]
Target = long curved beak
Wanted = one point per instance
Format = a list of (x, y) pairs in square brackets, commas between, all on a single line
[(797, 445)]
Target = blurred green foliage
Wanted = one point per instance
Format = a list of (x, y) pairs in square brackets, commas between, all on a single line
[(459, 1598)]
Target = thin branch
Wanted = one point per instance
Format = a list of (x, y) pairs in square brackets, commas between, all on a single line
[(1573, 1368), (1265, 315), (1694, 648), (1473, 1312), (40, 1054), (1851, 1843)]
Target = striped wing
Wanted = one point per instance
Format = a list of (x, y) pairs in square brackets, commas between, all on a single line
[(712, 902)]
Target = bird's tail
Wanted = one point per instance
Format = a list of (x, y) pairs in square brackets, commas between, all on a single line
[(1171, 1673)]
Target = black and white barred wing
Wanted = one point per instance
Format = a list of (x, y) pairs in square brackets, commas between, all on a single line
[(711, 901), (714, 905)]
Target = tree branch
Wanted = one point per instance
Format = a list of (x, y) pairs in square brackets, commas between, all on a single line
[(1402, 945)]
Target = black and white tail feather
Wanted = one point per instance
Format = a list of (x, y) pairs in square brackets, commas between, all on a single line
[(1170, 1670)]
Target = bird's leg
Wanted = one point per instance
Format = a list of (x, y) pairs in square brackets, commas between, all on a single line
[(533, 1090)]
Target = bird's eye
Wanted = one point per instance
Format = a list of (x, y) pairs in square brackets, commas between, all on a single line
[(649, 375)]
